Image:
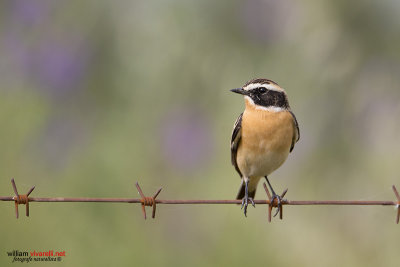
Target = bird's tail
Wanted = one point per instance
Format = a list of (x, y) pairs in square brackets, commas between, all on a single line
[(252, 191)]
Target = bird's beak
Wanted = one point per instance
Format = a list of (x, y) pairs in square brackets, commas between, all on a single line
[(240, 91)]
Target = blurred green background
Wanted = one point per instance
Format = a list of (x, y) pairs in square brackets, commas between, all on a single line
[(96, 95)]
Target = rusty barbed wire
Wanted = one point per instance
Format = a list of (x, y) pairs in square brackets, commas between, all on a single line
[(152, 201)]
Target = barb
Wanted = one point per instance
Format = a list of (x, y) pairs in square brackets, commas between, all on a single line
[(274, 203), (148, 201), (21, 199), (398, 203), (152, 201)]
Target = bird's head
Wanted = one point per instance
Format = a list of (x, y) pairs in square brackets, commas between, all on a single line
[(264, 94)]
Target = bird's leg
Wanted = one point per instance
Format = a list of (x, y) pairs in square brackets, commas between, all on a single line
[(246, 198), (275, 196)]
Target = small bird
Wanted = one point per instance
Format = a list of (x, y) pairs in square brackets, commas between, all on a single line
[(263, 136)]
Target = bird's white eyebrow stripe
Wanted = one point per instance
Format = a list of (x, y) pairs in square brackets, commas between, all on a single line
[(265, 85)]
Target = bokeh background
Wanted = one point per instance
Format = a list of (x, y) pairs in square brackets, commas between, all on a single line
[(96, 95)]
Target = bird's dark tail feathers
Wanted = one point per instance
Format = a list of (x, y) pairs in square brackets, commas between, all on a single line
[(240, 194)]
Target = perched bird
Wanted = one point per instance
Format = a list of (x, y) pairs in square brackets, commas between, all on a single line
[(262, 137)]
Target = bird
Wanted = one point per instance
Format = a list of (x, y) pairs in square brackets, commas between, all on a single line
[(262, 137)]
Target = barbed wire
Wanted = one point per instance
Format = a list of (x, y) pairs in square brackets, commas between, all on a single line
[(153, 201)]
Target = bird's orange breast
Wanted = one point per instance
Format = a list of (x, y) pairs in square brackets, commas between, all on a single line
[(266, 138)]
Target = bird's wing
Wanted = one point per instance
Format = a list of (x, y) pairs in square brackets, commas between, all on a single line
[(296, 135), (235, 139)]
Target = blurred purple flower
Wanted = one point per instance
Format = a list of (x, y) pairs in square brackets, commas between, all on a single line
[(29, 12), (57, 62), (270, 20), (59, 66), (186, 138)]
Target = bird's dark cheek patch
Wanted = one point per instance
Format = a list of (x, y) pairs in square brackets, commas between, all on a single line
[(271, 98)]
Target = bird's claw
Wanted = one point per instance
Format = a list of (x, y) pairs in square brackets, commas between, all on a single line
[(245, 203), (279, 205)]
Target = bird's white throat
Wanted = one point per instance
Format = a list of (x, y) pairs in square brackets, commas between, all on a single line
[(270, 108)]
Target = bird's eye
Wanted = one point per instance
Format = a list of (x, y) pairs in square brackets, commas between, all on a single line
[(262, 90)]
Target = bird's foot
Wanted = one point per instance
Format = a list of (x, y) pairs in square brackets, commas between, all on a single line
[(279, 203), (245, 202)]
